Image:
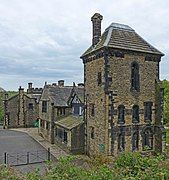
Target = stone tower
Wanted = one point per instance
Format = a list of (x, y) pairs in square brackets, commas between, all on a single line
[(122, 92)]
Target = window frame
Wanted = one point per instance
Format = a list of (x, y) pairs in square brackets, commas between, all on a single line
[(135, 114), (148, 111), (135, 141), (44, 106), (121, 112), (121, 142), (99, 78), (135, 77)]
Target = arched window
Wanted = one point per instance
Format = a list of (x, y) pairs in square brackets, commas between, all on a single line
[(135, 82), (121, 142), (135, 141), (121, 114), (147, 139), (135, 114)]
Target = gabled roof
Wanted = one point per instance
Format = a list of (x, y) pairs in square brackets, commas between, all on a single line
[(34, 96), (120, 36), (77, 91), (57, 94)]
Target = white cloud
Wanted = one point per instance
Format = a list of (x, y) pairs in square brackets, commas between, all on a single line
[(42, 40)]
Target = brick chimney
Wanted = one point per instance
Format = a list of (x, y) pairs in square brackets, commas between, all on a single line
[(61, 83), (96, 20), (30, 85)]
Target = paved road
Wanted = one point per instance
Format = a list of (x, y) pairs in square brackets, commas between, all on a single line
[(14, 142)]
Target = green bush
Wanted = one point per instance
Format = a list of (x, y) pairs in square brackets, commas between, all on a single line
[(126, 166)]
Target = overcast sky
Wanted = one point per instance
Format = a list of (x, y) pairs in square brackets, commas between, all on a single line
[(42, 40)]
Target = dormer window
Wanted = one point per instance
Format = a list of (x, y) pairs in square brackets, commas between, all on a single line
[(135, 81)]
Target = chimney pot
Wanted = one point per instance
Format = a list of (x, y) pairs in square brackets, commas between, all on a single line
[(61, 83), (30, 85)]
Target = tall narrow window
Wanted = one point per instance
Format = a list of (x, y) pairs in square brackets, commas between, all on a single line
[(135, 82), (44, 106), (121, 142), (148, 111), (92, 132), (56, 131), (135, 141), (99, 78), (65, 137), (135, 114), (30, 106), (147, 139), (121, 114), (92, 110)]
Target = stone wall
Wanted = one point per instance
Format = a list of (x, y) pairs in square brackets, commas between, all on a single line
[(115, 90), (95, 95)]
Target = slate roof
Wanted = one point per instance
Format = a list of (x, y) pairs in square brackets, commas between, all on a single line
[(34, 96), (57, 94), (70, 122), (80, 93), (120, 36)]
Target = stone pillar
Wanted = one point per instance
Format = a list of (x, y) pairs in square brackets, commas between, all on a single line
[(96, 20)]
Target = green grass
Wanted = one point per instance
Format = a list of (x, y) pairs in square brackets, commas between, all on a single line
[(167, 136)]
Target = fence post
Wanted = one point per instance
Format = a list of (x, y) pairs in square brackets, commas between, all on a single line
[(27, 157), (5, 158), (48, 154)]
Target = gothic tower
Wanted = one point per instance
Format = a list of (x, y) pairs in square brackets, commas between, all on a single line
[(123, 95)]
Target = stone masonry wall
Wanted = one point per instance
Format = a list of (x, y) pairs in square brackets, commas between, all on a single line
[(120, 71), (94, 94)]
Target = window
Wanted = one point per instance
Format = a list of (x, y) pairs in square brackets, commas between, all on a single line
[(92, 132), (121, 114), (135, 82), (47, 125), (92, 110), (62, 111), (121, 142), (119, 54), (135, 141), (60, 133), (147, 139), (56, 131), (99, 78), (65, 137), (44, 106), (135, 114), (30, 106), (148, 111)]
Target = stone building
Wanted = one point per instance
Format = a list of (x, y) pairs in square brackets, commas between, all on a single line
[(123, 95), (61, 116), (21, 110)]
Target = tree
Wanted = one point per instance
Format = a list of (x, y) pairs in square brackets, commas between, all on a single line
[(166, 101)]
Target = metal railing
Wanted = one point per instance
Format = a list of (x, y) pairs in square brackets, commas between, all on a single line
[(24, 158)]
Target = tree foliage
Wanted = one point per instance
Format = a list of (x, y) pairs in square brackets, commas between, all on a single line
[(126, 166), (166, 102)]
